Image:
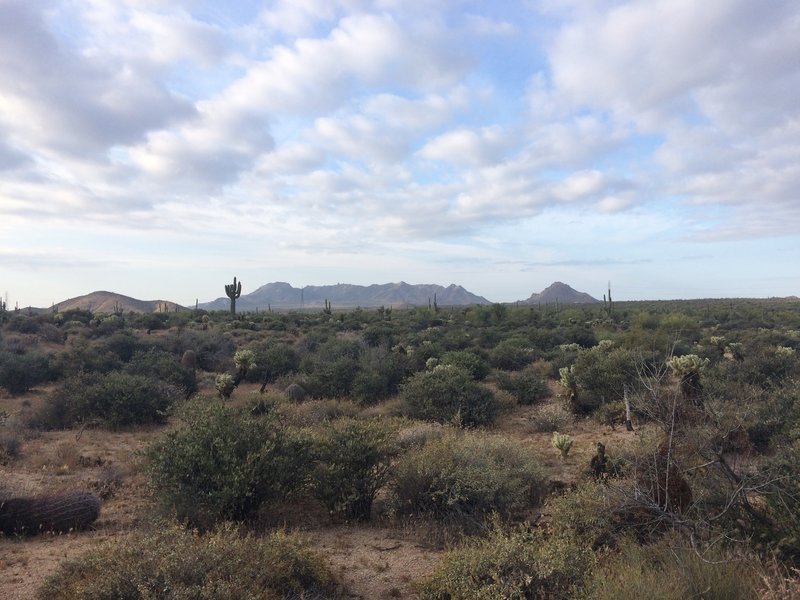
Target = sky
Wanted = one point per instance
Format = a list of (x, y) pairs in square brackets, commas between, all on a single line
[(158, 148)]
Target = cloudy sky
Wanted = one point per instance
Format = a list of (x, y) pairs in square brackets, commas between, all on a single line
[(157, 148)]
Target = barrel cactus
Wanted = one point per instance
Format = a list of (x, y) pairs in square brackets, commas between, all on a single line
[(62, 512)]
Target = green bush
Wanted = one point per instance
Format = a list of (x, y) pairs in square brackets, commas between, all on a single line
[(448, 394), (224, 466), (515, 565), (273, 360), (173, 564), (601, 375), (20, 372), (379, 376), (117, 399), (476, 366), (353, 461), (509, 355), (332, 369), (164, 366), (527, 386), (673, 570), (462, 477)]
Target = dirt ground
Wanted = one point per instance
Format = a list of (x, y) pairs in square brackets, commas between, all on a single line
[(378, 560)]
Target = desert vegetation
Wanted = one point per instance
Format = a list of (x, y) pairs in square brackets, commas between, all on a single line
[(471, 452)]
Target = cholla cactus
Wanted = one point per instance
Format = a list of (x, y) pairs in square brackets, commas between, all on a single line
[(225, 385), (562, 442), (688, 369), (244, 361), (569, 383), (735, 350), (718, 341)]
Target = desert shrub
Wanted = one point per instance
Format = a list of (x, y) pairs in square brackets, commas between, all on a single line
[(378, 334), (672, 570), (123, 344), (600, 376), (213, 349), (509, 356), (272, 360), (20, 372), (314, 412), (81, 356), (173, 563), (514, 565), (782, 534), (550, 417), (353, 461), (23, 324), (118, 399), (470, 362), (462, 477), (224, 466), (331, 370), (380, 373), (52, 333), (164, 366), (448, 394), (527, 386)]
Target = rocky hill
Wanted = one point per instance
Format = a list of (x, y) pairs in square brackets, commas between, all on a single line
[(109, 302), (562, 293), (281, 295)]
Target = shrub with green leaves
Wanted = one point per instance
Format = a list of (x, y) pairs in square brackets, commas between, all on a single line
[(117, 399), (673, 570), (598, 376), (527, 386), (332, 369), (224, 466), (510, 355), (381, 371), (164, 366), (462, 477), (513, 565), (272, 360), (353, 462), (475, 365), (173, 563), (448, 394), (20, 372)]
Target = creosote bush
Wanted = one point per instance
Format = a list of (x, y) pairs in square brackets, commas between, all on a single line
[(462, 477), (527, 386), (448, 394), (514, 564), (223, 466), (173, 563), (353, 462), (672, 570), (117, 399)]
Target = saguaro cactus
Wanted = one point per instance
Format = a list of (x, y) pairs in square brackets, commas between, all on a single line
[(233, 291), (60, 513)]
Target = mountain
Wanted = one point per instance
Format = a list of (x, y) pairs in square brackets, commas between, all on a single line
[(562, 293), (109, 302), (280, 295)]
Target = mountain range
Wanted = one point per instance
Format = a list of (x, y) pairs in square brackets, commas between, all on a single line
[(283, 296)]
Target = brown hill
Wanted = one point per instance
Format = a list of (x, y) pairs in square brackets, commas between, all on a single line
[(560, 292), (109, 302)]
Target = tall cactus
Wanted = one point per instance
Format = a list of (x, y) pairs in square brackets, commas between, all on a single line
[(233, 291), (60, 513)]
